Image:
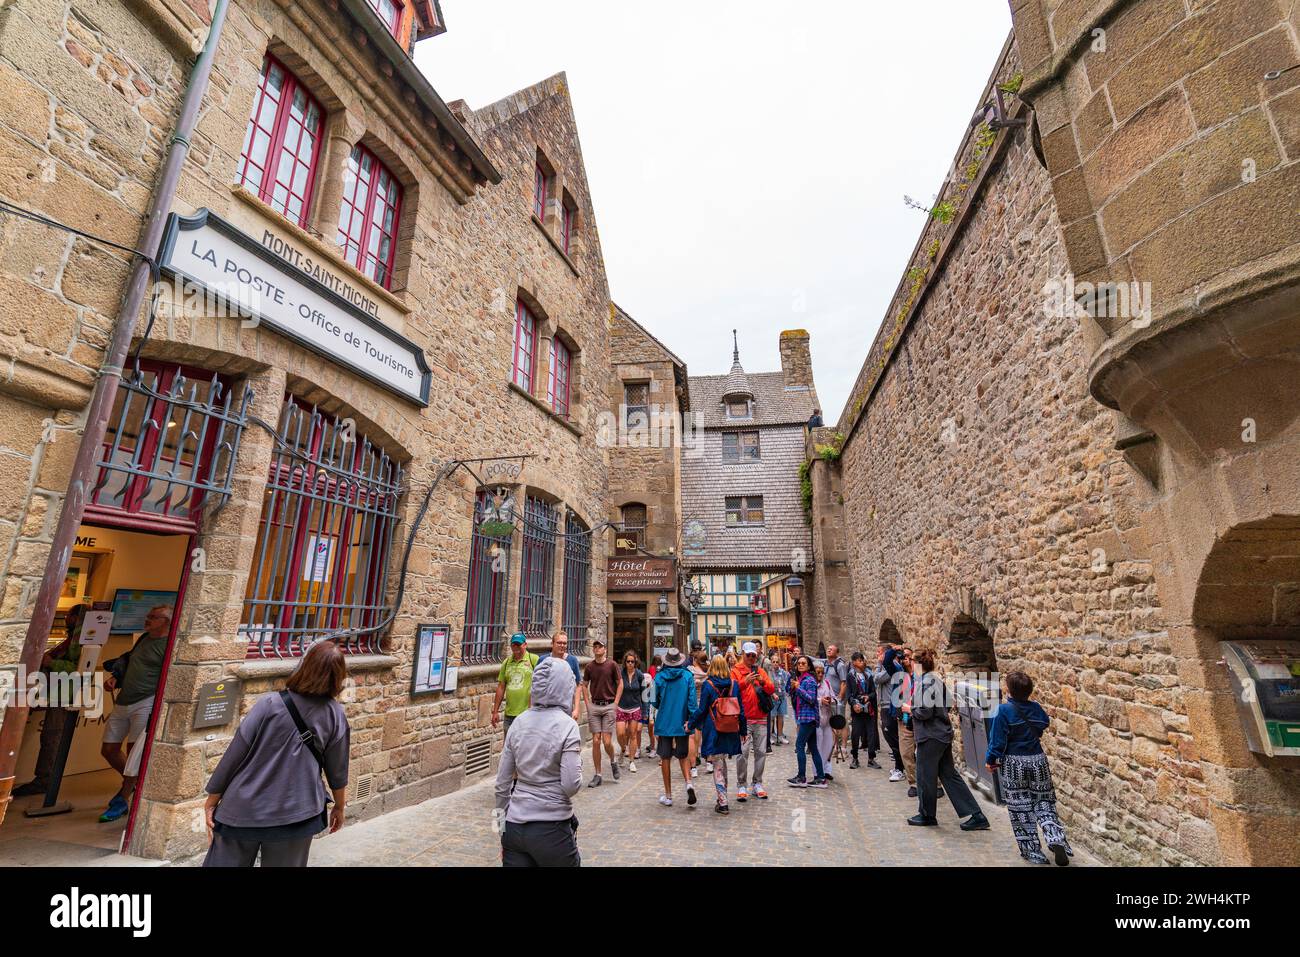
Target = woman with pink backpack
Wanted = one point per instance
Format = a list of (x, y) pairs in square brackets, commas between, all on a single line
[(721, 717)]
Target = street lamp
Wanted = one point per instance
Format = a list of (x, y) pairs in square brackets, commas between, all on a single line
[(663, 604), (794, 586)]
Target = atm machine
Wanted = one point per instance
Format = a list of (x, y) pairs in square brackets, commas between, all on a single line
[(1266, 682)]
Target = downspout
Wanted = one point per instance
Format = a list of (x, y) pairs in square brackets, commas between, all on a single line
[(85, 467)]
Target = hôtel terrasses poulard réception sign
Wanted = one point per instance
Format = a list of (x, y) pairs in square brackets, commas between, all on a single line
[(641, 574), (262, 277)]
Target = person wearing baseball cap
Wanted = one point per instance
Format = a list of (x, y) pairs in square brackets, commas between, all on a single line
[(514, 680), (675, 704), (752, 679)]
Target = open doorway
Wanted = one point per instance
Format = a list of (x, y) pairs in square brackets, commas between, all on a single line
[(65, 780), (630, 632)]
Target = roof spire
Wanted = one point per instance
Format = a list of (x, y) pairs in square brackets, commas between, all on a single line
[(735, 351)]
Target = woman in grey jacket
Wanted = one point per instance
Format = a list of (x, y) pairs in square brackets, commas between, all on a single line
[(266, 794), (933, 730), (540, 772)]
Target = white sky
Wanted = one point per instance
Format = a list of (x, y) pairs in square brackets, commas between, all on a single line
[(747, 160)]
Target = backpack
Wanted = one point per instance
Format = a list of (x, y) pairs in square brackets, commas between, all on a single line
[(725, 711)]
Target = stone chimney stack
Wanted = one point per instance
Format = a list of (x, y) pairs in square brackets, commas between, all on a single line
[(796, 360)]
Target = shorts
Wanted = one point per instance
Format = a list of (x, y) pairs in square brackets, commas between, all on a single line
[(678, 747), (779, 709), (627, 717), (600, 718), (128, 722)]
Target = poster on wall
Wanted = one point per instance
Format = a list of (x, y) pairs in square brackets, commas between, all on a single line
[(131, 607), (430, 671), (316, 561)]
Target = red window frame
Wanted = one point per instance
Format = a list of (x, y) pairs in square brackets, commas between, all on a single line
[(525, 358), (539, 192), (566, 227), (557, 392), (369, 216), (396, 21), (287, 132)]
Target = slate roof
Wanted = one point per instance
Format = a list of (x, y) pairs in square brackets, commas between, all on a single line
[(773, 404)]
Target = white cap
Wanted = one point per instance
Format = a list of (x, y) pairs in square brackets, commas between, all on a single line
[(749, 648)]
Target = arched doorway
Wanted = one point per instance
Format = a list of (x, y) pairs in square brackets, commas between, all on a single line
[(889, 633), (970, 647), (1248, 593)]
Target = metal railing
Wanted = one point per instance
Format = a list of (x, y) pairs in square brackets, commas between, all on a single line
[(577, 578), (537, 574), (485, 602)]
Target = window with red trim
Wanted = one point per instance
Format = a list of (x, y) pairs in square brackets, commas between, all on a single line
[(557, 391), (525, 347), (539, 191), (281, 144), (368, 216), (566, 225), (390, 11)]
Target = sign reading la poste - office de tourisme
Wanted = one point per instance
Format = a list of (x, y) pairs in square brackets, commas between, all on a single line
[(293, 292)]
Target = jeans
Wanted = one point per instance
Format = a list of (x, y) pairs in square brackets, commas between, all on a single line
[(758, 744), (889, 728), (540, 844), (934, 764), (807, 738)]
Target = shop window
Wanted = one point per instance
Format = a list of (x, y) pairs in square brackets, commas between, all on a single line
[(631, 531), (744, 510), (557, 392), (740, 447), (577, 577), (525, 357), (170, 444), (537, 570), (390, 11), (489, 580), (281, 145), (369, 215), (636, 405), (320, 563)]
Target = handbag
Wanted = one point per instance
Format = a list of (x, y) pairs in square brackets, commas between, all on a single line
[(765, 701), (305, 734)]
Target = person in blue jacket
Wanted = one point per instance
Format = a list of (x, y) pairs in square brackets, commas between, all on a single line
[(717, 745), (1017, 757), (674, 706)]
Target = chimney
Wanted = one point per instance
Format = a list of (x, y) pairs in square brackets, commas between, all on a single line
[(796, 360)]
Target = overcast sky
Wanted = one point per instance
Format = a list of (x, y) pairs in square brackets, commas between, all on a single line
[(747, 160)]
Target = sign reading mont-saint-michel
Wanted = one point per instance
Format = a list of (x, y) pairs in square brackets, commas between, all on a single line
[(269, 280)]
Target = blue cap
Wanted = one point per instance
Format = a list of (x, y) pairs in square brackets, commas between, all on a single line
[(518, 638)]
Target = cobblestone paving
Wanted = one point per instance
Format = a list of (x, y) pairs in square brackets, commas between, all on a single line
[(858, 820)]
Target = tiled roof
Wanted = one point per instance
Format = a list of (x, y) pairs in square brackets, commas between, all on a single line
[(773, 403)]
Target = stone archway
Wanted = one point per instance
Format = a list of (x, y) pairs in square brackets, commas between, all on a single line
[(1249, 588), (889, 633), (969, 648)]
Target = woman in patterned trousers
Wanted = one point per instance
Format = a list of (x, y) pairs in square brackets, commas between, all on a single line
[(1017, 757)]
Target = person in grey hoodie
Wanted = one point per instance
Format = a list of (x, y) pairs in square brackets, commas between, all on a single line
[(540, 772), (887, 675)]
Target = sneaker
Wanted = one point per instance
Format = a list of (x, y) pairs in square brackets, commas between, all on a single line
[(595, 781), (742, 795), (912, 792), (871, 763), (818, 782), (721, 808), (116, 808), (854, 766), (1061, 853), (797, 782), (631, 766), (895, 775), (690, 795), (615, 770), (784, 739), (976, 822), (708, 767), (759, 792), (665, 800), (695, 772), (30, 788), (920, 820), (829, 777)]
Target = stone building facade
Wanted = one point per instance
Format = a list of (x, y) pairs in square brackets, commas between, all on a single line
[(1100, 489), (488, 285), (646, 435), (743, 519)]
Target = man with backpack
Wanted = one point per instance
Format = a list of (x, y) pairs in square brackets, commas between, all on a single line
[(515, 680), (758, 697)]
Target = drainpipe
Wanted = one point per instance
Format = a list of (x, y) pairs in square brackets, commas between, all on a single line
[(85, 468)]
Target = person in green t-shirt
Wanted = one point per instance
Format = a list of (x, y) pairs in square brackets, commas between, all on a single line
[(514, 680)]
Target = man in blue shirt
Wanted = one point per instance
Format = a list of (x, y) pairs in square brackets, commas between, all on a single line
[(560, 649)]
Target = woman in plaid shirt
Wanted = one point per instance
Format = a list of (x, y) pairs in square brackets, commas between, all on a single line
[(803, 689)]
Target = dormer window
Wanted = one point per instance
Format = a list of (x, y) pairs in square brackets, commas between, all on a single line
[(390, 11), (738, 409)]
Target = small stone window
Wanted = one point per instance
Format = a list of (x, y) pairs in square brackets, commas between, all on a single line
[(636, 405)]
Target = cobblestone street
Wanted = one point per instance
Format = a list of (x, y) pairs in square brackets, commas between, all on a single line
[(858, 820)]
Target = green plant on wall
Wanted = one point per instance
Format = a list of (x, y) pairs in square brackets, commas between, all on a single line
[(496, 529), (806, 489)]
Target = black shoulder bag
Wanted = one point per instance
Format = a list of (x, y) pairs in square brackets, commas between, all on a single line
[(305, 734)]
